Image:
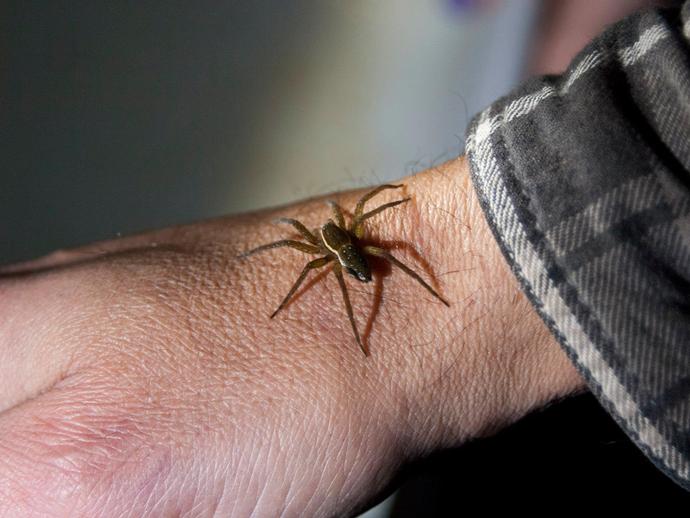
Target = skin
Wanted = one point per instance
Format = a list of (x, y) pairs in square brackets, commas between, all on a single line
[(143, 377)]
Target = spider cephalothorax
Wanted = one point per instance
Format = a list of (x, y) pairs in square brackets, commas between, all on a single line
[(339, 245)]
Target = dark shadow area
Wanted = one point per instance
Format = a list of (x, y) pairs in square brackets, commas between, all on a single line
[(379, 270), (569, 457)]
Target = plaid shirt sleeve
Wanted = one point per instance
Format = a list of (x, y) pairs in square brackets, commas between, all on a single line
[(585, 181)]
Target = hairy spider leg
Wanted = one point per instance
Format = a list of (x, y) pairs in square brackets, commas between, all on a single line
[(316, 263), (337, 270), (359, 209), (337, 214), (297, 245), (300, 228), (384, 254), (358, 223)]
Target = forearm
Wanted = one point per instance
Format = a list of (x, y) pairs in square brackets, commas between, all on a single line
[(171, 329)]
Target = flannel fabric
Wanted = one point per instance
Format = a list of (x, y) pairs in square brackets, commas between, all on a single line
[(585, 181)]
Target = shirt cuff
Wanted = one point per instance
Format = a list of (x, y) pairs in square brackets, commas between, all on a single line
[(584, 180)]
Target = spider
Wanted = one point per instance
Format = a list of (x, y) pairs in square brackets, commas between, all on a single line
[(341, 246)]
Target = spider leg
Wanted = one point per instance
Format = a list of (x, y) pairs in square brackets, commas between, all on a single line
[(359, 209), (316, 263), (297, 245), (380, 252), (300, 228), (337, 270), (357, 223), (337, 213)]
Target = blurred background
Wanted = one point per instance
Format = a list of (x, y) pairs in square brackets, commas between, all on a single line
[(117, 117)]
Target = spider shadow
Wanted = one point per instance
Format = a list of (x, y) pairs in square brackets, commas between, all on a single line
[(391, 245), (380, 268)]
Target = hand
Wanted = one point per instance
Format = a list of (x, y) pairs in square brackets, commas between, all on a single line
[(143, 377)]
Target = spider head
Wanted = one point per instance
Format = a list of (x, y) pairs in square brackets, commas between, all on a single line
[(364, 276)]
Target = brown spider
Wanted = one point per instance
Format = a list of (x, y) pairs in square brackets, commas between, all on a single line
[(336, 241)]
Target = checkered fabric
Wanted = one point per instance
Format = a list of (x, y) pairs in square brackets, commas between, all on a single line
[(585, 181)]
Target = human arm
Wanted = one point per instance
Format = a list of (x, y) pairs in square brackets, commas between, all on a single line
[(144, 376)]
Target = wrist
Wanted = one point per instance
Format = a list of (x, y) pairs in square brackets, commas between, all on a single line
[(490, 359)]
